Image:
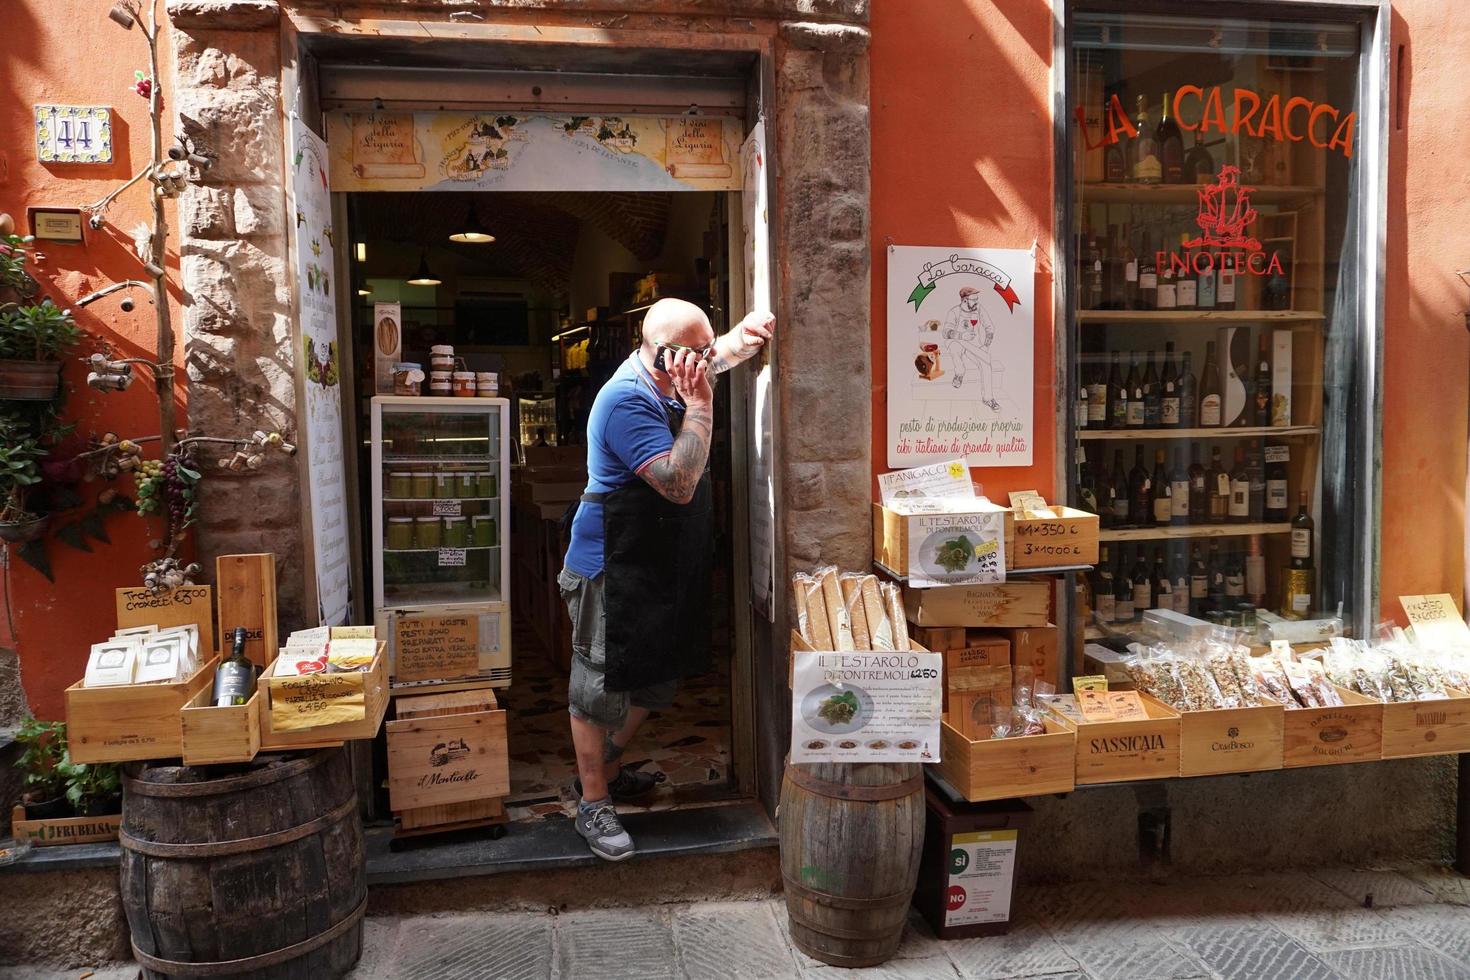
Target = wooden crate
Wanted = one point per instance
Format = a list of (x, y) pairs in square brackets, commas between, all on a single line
[(447, 749), (1070, 538), (1119, 751), (371, 685), (247, 597), (1037, 647), (1001, 768), (130, 722), (1005, 604), (1231, 740), (219, 734), (64, 830), (1331, 736), (184, 606), (891, 534), (1435, 727)]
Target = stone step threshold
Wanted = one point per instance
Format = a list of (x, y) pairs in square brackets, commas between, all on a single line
[(738, 825)]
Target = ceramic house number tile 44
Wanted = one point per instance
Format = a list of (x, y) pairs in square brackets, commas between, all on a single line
[(74, 133)]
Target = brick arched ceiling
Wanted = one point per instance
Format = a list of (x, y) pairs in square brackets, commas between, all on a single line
[(536, 233)]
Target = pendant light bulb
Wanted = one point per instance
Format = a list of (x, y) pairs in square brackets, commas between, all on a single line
[(473, 232), (425, 276)]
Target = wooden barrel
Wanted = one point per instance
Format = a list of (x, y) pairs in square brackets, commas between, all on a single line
[(257, 873), (851, 835)]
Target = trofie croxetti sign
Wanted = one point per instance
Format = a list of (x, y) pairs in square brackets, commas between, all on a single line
[(1291, 120)]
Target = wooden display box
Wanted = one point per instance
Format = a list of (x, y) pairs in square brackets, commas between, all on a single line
[(64, 830), (1001, 768), (1437, 727), (1005, 604), (1119, 751), (309, 694), (447, 749), (220, 734), (1070, 538), (1331, 736), (891, 534), (1231, 740), (131, 722)]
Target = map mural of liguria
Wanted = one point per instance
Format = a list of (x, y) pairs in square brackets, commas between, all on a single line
[(507, 151)]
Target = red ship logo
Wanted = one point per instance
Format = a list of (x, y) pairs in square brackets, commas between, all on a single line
[(1224, 212)]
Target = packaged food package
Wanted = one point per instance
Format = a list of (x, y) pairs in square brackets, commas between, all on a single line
[(801, 584), (818, 622), (880, 629), (851, 584), (1156, 672), (893, 603), (1271, 682), (837, 622)]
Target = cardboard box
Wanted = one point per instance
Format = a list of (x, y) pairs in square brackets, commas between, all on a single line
[(1006, 604), (1036, 647), (982, 651), (1070, 538)]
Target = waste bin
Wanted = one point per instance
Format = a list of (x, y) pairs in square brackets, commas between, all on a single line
[(968, 869)]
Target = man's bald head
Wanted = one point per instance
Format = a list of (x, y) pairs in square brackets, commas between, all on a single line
[(674, 321)]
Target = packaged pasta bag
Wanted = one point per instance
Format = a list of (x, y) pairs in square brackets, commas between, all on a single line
[(801, 586)]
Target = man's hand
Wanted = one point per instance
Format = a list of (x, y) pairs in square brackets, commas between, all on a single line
[(676, 475), (691, 379), (743, 342)]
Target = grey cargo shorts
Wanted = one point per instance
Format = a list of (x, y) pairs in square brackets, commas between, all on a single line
[(587, 697)]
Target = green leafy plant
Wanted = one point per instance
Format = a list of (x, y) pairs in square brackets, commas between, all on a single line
[(92, 788), (20, 456), (43, 332), (43, 756), (13, 275)]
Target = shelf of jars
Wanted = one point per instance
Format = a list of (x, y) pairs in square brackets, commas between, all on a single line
[(1217, 432), (1164, 532)]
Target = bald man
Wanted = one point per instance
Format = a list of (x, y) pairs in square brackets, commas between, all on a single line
[(637, 575)]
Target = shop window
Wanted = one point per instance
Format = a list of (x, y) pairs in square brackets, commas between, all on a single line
[(1218, 352)]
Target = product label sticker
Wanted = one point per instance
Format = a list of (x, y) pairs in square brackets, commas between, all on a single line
[(982, 869), (865, 707)]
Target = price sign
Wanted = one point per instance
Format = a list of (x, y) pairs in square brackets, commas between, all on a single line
[(448, 508), (1436, 620), (436, 647), (451, 557)]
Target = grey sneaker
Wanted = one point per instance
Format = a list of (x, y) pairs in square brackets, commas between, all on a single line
[(604, 833)]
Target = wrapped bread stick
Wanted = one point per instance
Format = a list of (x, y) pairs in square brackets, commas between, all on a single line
[(880, 631), (896, 618), (801, 583), (817, 617), (852, 598), (837, 619)]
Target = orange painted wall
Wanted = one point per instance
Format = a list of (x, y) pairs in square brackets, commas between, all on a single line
[(962, 155), (81, 58)]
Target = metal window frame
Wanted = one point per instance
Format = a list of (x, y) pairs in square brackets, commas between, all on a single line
[(1370, 206)]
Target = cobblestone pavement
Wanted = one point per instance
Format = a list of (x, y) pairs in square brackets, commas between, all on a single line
[(1376, 925)]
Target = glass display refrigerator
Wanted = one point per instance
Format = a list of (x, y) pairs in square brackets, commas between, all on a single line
[(440, 506), (536, 412), (1222, 340)]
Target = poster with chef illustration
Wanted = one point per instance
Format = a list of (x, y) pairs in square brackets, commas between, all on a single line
[(960, 351)]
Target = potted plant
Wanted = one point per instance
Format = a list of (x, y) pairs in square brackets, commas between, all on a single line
[(43, 761), (20, 456), (33, 336), (93, 790)]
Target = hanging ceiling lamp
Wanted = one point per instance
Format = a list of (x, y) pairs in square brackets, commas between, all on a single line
[(473, 232), (424, 277)]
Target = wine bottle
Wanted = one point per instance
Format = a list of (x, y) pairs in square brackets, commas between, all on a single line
[(1163, 504), (1082, 414), (1298, 577), (1169, 390), (1143, 591), (1199, 166), (1240, 489), (1097, 397), (234, 678), (1148, 278), (1255, 572), (1262, 399), (1301, 534), (1199, 498), (1092, 275), (1217, 485), (1129, 299), (1234, 580), (1086, 482), (1186, 281), (1188, 395), (1122, 592), (1117, 396), (1207, 278), (1180, 562), (1199, 583), (1121, 503), (1209, 390), (1135, 396), (1255, 470), (1225, 282), (1215, 567), (1171, 146), (1102, 588), (1178, 490), (1167, 295), (1277, 499), (1145, 165), (1140, 492), (1161, 585), (1152, 394), (1112, 265)]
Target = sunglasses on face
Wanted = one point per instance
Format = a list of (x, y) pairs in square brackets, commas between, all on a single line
[(700, 353)]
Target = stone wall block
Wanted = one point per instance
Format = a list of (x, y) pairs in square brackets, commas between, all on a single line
[(257, 209), (206, 212), (224, 15), (237, 126)]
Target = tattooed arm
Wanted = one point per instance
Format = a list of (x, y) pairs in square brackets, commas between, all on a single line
[(742, 343), (676, 474)]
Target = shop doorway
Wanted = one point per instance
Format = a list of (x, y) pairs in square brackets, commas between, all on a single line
[(552, 307)]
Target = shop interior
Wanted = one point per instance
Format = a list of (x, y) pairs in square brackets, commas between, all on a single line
[(546, 290)]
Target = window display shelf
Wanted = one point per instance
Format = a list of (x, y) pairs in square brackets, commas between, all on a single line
[(1191, 531), (1131, 193), (1198, 316), (1216, 432)]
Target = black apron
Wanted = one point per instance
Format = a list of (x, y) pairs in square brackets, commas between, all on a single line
[(657, 559)]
